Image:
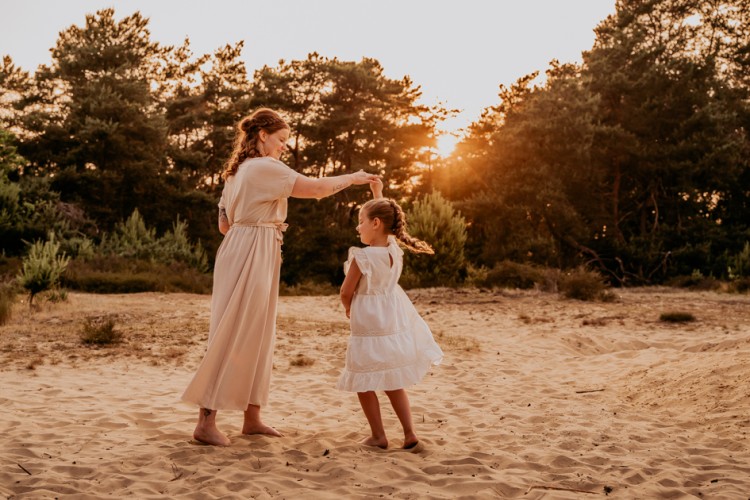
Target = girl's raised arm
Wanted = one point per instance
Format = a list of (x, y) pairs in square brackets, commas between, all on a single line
[(376, 186)]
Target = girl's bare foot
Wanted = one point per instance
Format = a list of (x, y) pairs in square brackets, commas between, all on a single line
[(210, 435), (381, 443), (248, 429), (410, 441)]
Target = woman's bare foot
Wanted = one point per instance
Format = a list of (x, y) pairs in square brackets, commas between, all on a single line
[(210, 435), (206, 431), (254, 425), (249, 429), (381, 443)]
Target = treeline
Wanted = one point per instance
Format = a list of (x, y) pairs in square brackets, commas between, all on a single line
[(634, 162)]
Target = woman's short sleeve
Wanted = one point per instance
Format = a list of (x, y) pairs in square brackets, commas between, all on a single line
[(277, 177), (360, 256)]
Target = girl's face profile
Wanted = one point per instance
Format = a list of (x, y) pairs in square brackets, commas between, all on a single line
[(367, 228), (275, 144)]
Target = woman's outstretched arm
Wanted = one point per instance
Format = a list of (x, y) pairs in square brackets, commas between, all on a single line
[(306, 187)]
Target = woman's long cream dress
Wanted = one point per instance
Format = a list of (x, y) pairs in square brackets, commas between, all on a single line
[(236, 369)]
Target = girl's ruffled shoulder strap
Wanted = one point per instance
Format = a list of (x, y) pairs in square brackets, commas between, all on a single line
[(394, 248), (363, 262)]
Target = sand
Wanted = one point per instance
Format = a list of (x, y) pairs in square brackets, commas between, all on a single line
[(538, 397)]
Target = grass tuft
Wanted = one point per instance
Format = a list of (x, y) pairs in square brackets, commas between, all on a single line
[(457, 342), (301, 360), (582, 284), (100, 331), (676, 317)]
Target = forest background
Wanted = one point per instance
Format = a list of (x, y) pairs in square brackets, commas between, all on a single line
[(634, 163)]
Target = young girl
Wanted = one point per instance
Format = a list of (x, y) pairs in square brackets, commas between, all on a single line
[(390, 347)]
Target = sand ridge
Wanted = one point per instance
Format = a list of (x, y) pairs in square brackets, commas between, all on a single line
[(538, 397)]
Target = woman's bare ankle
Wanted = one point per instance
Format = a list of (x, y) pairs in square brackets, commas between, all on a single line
[(374, 441), (210, 435), (259, 428)]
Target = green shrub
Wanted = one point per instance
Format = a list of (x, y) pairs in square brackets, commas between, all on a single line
[(133, 239), (79, 247), (676, 317), (130, 239), (100, 331), (124, 275), (696, 281), (739, 265), (582, 284), (508, 274), (42, 267), (175, 246), (434, 220)]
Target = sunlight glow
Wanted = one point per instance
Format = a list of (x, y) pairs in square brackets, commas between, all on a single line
[(446, 143)]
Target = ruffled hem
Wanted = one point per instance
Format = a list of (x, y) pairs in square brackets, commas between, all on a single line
[(391, 379)]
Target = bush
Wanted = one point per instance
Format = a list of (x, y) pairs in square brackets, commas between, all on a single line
[(175, 246), (582, 284), (434, 220), (123, 275), (133, 239), (696, 281), (508, 274), (676, 317), (739, 265), (741, 285), (42, 267), (100, 331), (130, 239)]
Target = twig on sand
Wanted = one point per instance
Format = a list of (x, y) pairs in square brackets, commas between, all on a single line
[(176, 472), (24, 469), (589, 390), (557, 488)]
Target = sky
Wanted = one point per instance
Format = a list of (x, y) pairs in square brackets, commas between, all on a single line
[(458, 51)]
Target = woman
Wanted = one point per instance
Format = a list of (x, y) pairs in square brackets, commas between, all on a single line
[(235, 373)]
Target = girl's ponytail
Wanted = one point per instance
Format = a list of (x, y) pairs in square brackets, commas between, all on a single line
[(394, 218)]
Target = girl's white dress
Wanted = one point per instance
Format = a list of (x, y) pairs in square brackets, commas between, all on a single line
[(391, 347)]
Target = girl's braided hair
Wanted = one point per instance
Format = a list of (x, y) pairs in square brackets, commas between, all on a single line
[(246, 140), (393, 218)]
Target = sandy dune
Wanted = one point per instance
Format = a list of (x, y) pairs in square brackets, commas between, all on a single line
[(538, 397)]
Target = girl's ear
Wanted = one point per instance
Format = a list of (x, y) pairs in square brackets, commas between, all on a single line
[(376, 222), (263, 135)]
